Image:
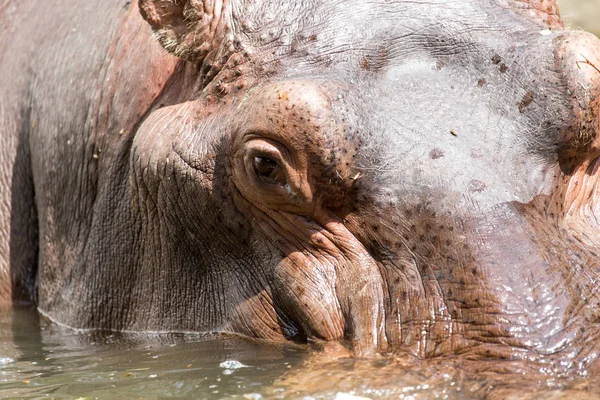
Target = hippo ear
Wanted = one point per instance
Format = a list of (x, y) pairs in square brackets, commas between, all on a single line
[(544, 12), (185, 28)]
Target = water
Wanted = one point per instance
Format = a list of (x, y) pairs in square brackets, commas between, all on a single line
[(50, 362), (581, 14), (39, 360)]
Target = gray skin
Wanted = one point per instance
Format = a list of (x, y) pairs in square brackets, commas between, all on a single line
[(407, 176)]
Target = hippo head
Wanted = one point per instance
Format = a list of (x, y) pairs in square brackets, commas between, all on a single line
[(405, 176)]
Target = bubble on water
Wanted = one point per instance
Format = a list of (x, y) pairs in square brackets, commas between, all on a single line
[(6, 360), (348, 396), (252, 396), (232, 364)]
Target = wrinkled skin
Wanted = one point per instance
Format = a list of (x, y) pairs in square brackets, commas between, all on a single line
[(408, 176)]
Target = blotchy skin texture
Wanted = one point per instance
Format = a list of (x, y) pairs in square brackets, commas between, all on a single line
[(408, 176)]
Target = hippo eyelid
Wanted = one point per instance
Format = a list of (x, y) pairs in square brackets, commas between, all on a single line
[(286, 188), (259, 148)]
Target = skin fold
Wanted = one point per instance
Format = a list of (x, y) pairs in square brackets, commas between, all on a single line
[(404, 177)]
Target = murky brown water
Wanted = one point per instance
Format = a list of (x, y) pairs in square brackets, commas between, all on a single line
[(42, 361), (49, 362)]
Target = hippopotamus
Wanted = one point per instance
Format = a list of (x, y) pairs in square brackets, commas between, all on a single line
[(394, 176)]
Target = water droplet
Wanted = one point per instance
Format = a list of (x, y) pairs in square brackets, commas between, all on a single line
[(232, 364), (6, 360)]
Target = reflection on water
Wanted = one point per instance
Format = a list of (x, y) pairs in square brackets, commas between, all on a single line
[(42, 362), (49, 362)]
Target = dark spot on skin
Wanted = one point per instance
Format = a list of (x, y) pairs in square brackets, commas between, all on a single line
[(525, 101), (503, 68), (474, 271), (241, 84), (375, 62), (221, 89), (364, 64), (496, 59), (481, 82), (126, 6), (476, 186), (436, 153), (313, 37)]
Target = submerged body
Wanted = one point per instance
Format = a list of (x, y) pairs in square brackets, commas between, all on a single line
[(410, 177)]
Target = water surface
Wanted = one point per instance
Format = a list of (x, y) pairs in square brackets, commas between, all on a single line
[(39, 360)]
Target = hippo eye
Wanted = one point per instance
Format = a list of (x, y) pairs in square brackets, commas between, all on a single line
[(269, 170)]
